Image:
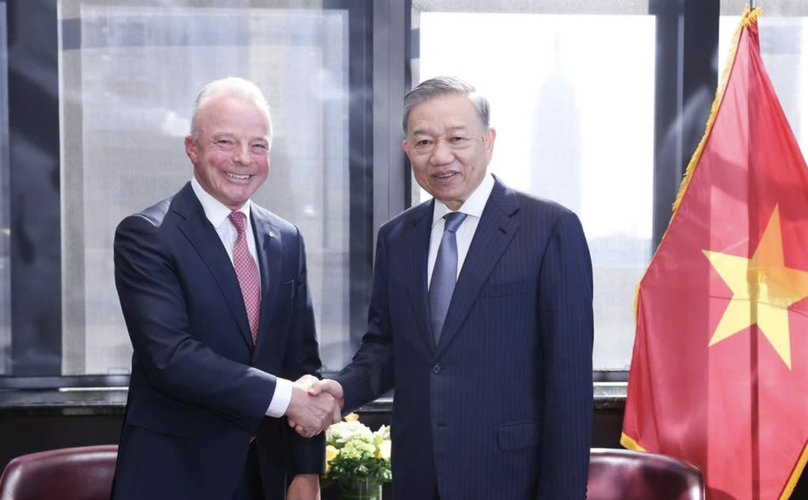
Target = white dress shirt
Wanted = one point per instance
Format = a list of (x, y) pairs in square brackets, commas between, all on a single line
[(218, 215), (473, 208)]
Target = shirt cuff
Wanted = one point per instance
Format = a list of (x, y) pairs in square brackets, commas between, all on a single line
[(280, 400)]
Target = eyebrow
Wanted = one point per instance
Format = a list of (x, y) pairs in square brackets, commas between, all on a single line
[(455, 128), (229, 135), (421, 131)]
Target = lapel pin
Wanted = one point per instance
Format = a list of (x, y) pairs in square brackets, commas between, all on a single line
[(271, 234)]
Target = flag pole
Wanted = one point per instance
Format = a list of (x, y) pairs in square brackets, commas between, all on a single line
[(754, 363)]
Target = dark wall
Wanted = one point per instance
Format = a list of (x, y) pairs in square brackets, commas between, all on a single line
[(28, 432), (22, 433)]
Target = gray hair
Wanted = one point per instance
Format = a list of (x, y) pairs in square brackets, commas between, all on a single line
[(440, 86), (232, 86)]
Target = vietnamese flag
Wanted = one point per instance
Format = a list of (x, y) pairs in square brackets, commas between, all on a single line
[(719, 374)]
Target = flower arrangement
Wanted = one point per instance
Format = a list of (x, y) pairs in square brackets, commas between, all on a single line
[(353, 452)]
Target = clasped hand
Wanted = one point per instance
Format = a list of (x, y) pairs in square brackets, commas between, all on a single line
[(315, 405)]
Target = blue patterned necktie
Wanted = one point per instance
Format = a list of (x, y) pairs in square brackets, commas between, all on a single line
[(444, 274)]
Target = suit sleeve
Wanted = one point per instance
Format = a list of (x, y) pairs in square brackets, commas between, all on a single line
[(302, 357), (173, 361), (370, 373), (566, 323)]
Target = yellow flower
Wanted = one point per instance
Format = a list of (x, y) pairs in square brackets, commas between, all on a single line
[(351, 417), (330, 454)]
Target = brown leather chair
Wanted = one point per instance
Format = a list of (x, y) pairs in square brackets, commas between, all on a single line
[(83, 473), (616, 474)]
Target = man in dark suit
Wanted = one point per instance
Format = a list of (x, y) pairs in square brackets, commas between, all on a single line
[(492, 373), (216, 300)]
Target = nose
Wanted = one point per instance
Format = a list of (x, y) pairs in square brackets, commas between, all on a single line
[(242, 155), (442, 154)]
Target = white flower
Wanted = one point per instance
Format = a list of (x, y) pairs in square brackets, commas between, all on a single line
[(383, 433), (344, 431), (384, 450)]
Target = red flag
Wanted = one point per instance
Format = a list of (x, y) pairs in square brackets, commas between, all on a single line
[(719, 374)]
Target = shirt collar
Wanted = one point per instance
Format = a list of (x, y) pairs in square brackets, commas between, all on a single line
[(215, 210), (473, 205)]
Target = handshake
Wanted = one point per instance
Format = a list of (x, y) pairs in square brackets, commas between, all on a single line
[(315, 404)]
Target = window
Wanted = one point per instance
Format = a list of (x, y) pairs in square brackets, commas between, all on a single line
[(96, 97), (128, 73), (572, 99), (783, 28)]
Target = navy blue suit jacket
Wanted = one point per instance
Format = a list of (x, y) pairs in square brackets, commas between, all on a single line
[(199, 387), (502, 406)]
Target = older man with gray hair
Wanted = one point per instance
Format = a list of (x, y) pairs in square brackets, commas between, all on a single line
[(480, 319), (216, 301)]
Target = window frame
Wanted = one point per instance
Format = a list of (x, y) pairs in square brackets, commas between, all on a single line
[(378, 164)]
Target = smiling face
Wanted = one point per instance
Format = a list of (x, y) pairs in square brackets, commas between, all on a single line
[(231, 150), (449, 147)]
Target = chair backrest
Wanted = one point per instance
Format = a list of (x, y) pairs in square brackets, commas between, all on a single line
[(83, 473), (616, 474)]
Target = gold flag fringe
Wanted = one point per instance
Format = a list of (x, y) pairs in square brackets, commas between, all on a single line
[(629, 443), (795, 474), (749, 17)]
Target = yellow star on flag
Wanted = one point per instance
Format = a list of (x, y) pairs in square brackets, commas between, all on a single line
[(763, 288)]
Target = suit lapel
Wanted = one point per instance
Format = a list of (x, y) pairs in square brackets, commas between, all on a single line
[(417, 262), (205, 240), (268, 243), (495, 231)]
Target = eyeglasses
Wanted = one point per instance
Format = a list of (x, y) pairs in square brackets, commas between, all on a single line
[(425, 146)]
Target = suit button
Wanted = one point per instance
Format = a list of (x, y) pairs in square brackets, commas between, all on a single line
[(436, 368)]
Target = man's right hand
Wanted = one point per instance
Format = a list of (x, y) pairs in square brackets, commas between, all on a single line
[(311, 412)]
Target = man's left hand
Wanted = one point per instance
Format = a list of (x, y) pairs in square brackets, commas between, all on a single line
[(304, 487)]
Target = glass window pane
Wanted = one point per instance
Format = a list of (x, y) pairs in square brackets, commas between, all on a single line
[(130, 75), (770, 8), (572, 100), (500, 6), (783, 31)]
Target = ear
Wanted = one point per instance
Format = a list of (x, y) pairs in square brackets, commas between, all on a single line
[(406, 147), (190, 149), (489, 142)]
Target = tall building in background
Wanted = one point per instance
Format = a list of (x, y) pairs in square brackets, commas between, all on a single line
[(556, 166)]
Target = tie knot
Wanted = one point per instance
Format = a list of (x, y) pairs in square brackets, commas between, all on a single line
[(453, 221), (238, 218)]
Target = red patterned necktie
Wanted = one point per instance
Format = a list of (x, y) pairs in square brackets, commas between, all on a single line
[(247, 272)]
